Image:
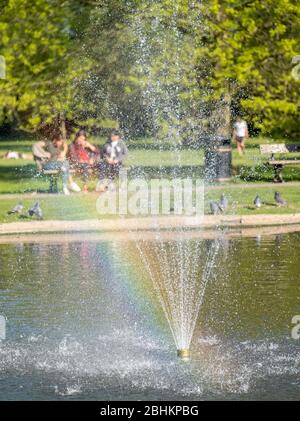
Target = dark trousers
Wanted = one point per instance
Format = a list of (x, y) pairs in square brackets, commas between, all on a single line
[(109, 171), (83, 169)]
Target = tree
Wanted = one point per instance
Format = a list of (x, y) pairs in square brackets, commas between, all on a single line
[(168, 68), (38, 44), (180, 67), (143, 74), (249, 46)]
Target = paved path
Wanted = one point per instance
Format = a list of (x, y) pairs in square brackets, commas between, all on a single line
[(163, 235), (150, 223)]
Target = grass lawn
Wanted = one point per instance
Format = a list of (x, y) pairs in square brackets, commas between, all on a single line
[(20, 175), (83, 206), (58, 207), (17, 176), (153, 160), (241, 199)]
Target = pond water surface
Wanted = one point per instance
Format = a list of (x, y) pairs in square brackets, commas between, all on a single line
[(84, 322)]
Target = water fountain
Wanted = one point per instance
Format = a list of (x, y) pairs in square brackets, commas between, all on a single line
[(180, 270), (78, 328)]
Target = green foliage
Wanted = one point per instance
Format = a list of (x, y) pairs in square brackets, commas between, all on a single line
[(145, 73), (35, 39), (166, 68), (250, 47)]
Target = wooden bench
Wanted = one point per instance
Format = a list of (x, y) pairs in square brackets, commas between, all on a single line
[(279, 164), (54, 176)]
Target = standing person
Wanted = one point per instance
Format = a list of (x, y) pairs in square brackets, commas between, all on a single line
[(114, 153), (81, 155), (51, 155), (240, 133)]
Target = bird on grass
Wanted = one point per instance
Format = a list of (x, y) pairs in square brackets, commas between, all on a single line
[(257, 201), (36, 211), (215, 208), (17, 209), (279, 199), (223, 204)]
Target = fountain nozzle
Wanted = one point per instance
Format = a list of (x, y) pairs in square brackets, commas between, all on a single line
[(184, 354)]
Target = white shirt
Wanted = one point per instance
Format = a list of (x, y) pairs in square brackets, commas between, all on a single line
[(113, 149), (240, 128)]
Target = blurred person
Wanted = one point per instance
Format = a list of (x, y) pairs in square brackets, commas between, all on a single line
[(82, 155), (240, 133), (51, 155), (114, 152)]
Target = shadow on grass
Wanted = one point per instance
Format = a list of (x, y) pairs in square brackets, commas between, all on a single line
[(16, 147), (176, 171), (13, 173), (265, 173), (26, 178)]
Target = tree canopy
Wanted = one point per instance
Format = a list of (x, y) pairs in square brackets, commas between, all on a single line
[(165, 68)]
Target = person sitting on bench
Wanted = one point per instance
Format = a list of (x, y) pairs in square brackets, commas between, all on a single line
[(51, 156), (114, 152), (82, 155)]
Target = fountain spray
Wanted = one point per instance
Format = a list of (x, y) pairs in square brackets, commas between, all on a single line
[(180, 271)]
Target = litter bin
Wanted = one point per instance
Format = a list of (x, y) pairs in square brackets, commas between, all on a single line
[(218, 159)]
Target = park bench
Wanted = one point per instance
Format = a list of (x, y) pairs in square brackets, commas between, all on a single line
[(279, 164), (54, 175)]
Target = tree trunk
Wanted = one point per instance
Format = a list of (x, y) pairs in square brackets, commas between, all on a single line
[(223, 128), (220, 118), (62, 125)]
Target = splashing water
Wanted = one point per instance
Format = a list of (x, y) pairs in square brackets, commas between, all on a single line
[(180, 271), (114, 346)]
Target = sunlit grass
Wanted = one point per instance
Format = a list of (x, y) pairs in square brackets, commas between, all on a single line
[(147, 157), (83, 206)]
